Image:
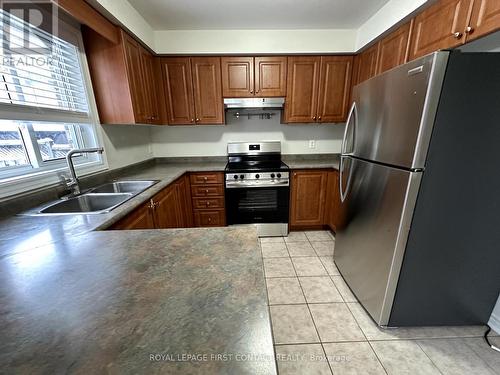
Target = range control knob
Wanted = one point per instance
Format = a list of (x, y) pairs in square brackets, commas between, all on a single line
[(272, 175), (235, 176), (242, 176), (278, 175), (257, 176)]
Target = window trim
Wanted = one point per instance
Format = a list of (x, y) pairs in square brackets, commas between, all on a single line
[(51, 174)]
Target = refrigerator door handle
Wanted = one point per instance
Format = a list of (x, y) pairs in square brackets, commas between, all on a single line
[(352, 112), (343, 194)]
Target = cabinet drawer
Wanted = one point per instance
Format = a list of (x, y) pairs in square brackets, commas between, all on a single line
[(207, 178), (200, 203), (204, 218), (207, 190)]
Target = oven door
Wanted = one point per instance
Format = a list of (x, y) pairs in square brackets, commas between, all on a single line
[(253, 205)]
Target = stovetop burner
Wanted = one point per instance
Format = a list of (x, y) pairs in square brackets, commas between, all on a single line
[(264, 166)]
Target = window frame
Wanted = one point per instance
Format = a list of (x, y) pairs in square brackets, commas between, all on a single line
[(52, 172)]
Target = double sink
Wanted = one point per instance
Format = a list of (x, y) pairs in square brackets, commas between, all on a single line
[(98, 200)]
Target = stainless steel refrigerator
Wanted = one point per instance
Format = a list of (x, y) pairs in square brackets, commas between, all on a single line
[(420, 187)]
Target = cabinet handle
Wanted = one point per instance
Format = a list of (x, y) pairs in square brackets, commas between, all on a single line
[(206, 191), (208, 203), (314, 118), (209, 219), (251, 91), (319, 118), (469, 30), (457, 35), (205, 178), (197, 120), (192, 120), (257, 91)]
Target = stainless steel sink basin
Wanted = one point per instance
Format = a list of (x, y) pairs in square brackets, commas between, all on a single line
[(87, 204), (124, 187)]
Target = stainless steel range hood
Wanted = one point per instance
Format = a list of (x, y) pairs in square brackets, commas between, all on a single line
[(257, 103)]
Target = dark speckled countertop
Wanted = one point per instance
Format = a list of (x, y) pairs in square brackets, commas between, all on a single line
[(129, 302), (74, 298)]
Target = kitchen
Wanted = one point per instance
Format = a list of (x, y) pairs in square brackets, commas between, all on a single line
[(264, 195)]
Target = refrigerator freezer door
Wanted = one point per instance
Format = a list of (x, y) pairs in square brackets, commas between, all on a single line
[(396, 110), (379, 201)]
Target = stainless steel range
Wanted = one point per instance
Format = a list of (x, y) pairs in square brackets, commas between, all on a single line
[(257, 187)]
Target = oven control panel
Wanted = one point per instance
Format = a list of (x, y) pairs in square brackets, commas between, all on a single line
[(257, 179), (257, 176)]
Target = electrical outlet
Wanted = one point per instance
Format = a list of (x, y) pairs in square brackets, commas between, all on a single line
[(312, 144)]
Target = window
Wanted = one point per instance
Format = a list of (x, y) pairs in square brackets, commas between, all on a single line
[(44, 101)]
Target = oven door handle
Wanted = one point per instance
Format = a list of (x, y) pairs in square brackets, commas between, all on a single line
[(247, 185)]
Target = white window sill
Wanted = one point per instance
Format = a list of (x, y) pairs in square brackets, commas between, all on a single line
[(10, 187)]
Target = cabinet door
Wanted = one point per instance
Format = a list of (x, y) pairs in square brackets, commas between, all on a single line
[(208, 104), (366, 64), (184, 195), (237, 77), (270, 76), (393, 50), (334, 88), (178, 90), (332, 213), (135, 74), (141, 218), (206, 218), (308, 198), (302, 88), (167, 208), (149, 84), (439, 26), (485, 18)]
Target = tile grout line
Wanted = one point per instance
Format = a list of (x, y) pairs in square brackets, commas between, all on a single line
[(368, 341), (429, 358), (269, 310), (312, 317)]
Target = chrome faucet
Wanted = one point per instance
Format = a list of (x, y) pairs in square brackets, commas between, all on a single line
[(73, 183)]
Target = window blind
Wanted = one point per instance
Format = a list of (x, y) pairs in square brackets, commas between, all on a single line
[(41, 76)]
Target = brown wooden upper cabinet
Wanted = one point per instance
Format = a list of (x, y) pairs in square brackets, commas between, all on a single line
[(393, 49), (192, 90), (244, 77), (440, 26), (318, 88), (123, 77), (365, 64), (485, 18)]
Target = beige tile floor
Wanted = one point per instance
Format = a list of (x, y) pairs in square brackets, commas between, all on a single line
[(320, 328)]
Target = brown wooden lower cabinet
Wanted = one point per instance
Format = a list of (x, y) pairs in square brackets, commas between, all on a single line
[(209, 218), (315, 199), (170, 208), (141, 218), (207, 191), (307, 198)]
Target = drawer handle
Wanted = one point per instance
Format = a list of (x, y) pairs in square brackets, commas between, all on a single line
[(206, 191), (205, 178), (208, 203)]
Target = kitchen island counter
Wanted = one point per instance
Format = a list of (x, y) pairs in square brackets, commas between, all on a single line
[(144, 301)]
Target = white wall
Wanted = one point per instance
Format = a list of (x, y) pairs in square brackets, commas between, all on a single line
[(126, 144), (212, 140), (258, 41), (125, 14), (387, 16), (254, 41)]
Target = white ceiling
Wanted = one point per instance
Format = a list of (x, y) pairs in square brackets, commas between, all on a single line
[(256, 14)]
